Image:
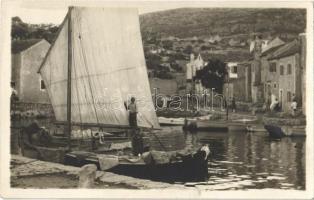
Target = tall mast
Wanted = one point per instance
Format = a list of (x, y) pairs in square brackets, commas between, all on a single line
[(69, 128)]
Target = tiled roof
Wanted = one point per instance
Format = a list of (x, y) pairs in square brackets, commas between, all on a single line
[(18, 46), (288, 49), (271, 50), (228, 56)]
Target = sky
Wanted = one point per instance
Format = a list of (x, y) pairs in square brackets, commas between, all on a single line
[(55, 16), (48, 11)]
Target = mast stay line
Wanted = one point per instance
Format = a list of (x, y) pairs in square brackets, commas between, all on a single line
[(69, 109)]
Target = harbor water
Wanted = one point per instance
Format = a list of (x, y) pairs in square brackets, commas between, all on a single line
[(242, 160)]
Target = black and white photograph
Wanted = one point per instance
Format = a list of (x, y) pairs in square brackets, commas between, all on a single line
[(136, 96)]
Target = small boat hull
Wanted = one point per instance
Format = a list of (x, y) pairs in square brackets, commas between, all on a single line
[(240, 124), (237, 127), (279, 132), (274, 131), (256, 129), (190, 168), (207, 125), (163, 121)]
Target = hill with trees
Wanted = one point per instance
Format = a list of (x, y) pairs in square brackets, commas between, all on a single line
[(24, 31), (189, 22)]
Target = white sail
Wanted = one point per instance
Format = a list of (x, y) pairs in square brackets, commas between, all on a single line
[(108, 68), (54, 72)]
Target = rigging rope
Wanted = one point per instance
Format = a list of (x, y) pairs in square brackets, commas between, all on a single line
[(78, 100), (88, 78)]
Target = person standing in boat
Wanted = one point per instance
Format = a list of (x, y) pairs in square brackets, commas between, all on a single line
[(132, 113), (137, 139)]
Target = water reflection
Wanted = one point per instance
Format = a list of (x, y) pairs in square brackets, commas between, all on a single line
[(253, 160), (238, 160)]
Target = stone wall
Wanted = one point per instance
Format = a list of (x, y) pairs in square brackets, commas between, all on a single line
[(30, 81), (303, 71), (32, 109), (256, 85), (270, 79), (15, 69), (289, 82), (284, 121)]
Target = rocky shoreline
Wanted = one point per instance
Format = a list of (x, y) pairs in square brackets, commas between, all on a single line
[(25, 170)]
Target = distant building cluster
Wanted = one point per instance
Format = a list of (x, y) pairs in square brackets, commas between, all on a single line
[(276, 70), (194, 65)]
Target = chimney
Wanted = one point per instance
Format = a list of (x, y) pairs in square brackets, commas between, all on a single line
[(192, 57)]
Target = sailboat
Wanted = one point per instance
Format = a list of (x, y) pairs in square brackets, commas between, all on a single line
[(93, 68)]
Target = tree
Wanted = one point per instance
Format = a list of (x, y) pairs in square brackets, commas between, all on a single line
[(24, 31), (19, 29), (167, 44), (213, 75), (152, 61), (188, 49)]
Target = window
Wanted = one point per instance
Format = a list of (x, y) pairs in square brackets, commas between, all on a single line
[(275, 85), (289, 96), (42, 85), (289, 69), (235, 69), (272, 67), (12, 84), (281, 70)]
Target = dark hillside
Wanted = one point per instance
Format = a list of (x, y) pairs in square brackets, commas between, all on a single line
[(189, 22)]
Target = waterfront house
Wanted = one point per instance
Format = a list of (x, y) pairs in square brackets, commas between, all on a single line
[(285, 63), (27, 56), (269, 75), (238, 83)]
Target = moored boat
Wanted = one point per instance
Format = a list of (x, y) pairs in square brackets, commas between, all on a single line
[(274, 131), (176, 165), (240, 124), (250, 128), (280, 127), (164, 121), (284, 130), (91, 93), (206, 125)]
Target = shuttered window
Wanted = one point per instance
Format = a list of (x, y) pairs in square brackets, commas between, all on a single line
[(272, 67), (289, 96), (289, 69), (282, 70), (42, 85)]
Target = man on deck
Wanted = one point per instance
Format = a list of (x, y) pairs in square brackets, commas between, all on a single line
[(137, 140), (132, 113)]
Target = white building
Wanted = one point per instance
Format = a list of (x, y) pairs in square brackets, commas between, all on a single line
[(191, 68), (232, 69)]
